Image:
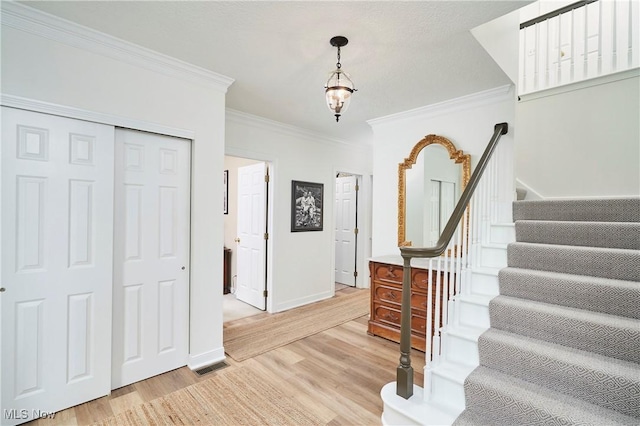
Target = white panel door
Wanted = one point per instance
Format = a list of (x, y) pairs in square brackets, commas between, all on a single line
[(434, 214), (252, 227), (151, 255), (345, 236), (57, 242)]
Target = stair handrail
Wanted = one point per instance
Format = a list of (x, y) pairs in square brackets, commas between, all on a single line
[(404, 372)]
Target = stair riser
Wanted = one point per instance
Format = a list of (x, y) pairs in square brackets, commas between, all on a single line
[(447, 393), (492, 257), (506, 400), (581, 380), (484, 284), (605, 263), (502, 234), (619, 340), (460, 350), (473, 315)]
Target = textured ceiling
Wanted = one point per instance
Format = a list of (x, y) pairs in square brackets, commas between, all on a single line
[(401, 55)]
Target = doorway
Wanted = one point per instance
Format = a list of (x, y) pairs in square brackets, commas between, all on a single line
[(346, 229), (246, 230)]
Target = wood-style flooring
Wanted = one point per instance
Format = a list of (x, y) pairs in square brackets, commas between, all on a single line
[(336, 375)]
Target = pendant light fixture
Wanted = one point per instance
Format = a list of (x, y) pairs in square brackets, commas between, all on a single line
[(339, 87)]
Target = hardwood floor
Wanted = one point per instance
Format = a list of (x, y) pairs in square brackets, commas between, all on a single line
[(335, 375)]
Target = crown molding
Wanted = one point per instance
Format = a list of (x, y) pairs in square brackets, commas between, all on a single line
[(244, 118), (474, 100), (33, 21), (92, 116)]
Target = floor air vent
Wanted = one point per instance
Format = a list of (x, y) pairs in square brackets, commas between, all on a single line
[(214, 367)]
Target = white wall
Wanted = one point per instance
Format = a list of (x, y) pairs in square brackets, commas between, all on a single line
[(44, 62), (580, 140), (581, 143), (302, 269), (468, 122)]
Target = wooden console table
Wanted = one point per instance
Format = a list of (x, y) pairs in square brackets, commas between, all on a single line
[(386, 299)]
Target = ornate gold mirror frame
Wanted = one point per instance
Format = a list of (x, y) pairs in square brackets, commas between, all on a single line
[(459, 157)]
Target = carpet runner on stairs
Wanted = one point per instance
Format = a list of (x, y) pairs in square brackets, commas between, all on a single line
[(564, 342)]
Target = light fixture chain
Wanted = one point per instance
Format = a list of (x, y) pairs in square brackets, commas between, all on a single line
[(338, 64)]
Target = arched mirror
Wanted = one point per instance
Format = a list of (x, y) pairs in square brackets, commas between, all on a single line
[(430, 182)]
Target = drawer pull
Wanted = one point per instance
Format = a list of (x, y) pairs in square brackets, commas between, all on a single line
[(390, 316), (390, 295)]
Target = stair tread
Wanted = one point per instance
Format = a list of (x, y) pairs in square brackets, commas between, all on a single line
[(571, 247), (505, 224), (615, 263), (495, 245), (569, 312), (478, 299), (564, 275), (601, 210), (574, 356), (485, 270), (516, 398), (467, 332), (625, 235), (606, 334), (453, 370), (608, 295)]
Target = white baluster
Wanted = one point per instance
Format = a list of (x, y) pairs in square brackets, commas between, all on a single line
[(429, 338)]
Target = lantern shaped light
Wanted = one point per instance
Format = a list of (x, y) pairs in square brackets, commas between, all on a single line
[(339, 87)]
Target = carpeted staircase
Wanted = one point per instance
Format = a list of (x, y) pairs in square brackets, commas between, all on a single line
[(564, 342)]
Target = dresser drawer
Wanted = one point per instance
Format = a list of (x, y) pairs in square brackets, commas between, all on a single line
[(419, 302), (386, 314), (387, 274), (418, 325), (388, 294)]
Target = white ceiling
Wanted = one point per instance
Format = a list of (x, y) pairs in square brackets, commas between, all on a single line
[(401, 54)]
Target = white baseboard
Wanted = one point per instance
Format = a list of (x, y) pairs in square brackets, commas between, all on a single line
[(206, 359), (302, 301)]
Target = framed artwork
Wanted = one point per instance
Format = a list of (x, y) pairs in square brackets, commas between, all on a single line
[(306, 206), (226, 192)]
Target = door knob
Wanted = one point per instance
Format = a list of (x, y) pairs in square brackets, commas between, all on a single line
[(2, 289), (183, 268), (237, 240)]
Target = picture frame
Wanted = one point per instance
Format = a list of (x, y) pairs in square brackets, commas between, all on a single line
[(307, 206), (226, 192)]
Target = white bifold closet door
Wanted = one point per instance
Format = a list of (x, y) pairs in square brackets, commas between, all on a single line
[(57, 245), (151, 255)]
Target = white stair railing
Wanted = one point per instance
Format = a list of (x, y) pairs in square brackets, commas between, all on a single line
[(447, 256), (587, 39), (447, 269)]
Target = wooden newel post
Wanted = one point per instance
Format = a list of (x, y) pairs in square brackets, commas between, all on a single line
[(404, 380)]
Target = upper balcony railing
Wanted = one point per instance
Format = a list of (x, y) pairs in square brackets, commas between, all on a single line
[(584, 40)]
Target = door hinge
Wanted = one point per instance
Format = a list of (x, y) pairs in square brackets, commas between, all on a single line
[(355, 274), (355, 231), (264, 293), (357, 187), (266, 235), (266, 178)]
